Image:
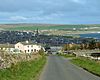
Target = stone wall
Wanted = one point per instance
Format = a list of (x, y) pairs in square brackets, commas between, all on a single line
[(6, 59)]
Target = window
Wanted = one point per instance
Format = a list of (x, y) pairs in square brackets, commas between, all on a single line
[(31, 45), (28, 46), (32, 50), (28, 50)]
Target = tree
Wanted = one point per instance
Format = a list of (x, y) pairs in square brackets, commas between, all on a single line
[(41, 52), (71, 47), (66, 47), (92, 44)]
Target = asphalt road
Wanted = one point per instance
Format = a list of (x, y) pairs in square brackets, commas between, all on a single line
[(59, 68)]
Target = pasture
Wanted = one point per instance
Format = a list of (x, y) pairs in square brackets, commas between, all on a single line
[(55, 27)]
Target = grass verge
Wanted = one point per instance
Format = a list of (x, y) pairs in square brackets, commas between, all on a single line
[(89, 65), (28, 70), (67, 55)]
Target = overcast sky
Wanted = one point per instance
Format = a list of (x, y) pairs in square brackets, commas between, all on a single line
[(50, 11)]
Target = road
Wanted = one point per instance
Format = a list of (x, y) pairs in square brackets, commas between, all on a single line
[(59, 68)]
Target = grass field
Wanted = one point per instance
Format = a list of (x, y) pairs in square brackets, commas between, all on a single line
[(57, 27), (89, 65), (28, 70)]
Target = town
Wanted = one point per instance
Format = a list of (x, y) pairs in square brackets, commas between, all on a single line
[(19, 46), (29, 42)]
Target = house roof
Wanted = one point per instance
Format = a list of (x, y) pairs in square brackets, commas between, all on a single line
[(6, 46), (28, 43)]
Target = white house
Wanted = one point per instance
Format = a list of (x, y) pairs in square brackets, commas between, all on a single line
[(7, 47), (27, 47)]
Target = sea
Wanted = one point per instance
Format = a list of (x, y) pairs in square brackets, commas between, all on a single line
[(90, 35)]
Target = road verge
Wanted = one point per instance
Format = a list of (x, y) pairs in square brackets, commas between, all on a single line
[(27, 70), (88, 65)]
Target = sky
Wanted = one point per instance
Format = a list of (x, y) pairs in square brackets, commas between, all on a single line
[(50, 11)]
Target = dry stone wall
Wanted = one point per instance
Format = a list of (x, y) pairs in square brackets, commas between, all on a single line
[(6, 59)]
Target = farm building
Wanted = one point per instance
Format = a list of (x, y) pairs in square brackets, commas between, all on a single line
[(28, 47), (95, 56)]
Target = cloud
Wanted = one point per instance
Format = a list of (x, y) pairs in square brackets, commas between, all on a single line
[(50, 11), (17, 18), (79, 1)]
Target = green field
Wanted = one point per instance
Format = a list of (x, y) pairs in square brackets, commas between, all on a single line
[(57, 27), (28, 70)]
